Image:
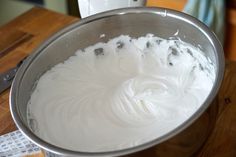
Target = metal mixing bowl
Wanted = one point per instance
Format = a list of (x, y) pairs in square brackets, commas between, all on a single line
[(134, 22)]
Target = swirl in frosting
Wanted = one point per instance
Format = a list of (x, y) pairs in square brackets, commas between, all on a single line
[(120, 94)]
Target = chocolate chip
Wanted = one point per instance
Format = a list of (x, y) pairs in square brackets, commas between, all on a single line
[(176, 44), (120, 44), (99, 51), (190, 52), (158, 41), (148, 44), (201, 67), (170, 63), (173, 51)]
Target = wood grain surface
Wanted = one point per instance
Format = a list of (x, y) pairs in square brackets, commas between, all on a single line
[(38, 22), (41, 23), (222, 142)]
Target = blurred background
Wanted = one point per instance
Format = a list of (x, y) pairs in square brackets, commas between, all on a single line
[(223, 21), (9, 9)]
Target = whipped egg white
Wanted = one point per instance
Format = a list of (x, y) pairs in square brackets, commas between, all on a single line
[(120, 94)]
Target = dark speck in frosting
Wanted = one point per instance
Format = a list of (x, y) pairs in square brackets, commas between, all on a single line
[(120, 44), (99, 51)]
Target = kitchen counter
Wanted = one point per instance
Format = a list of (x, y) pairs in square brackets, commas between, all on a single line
[(26, 32)]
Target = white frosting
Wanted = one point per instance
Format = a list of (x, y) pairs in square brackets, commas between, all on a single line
[(120, 94)]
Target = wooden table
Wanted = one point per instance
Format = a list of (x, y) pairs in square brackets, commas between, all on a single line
[(26, 32)]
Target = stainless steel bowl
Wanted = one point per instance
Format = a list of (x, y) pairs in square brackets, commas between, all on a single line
[(134, 22)]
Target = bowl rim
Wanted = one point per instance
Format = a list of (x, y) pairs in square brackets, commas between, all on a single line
[(220, 64)]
